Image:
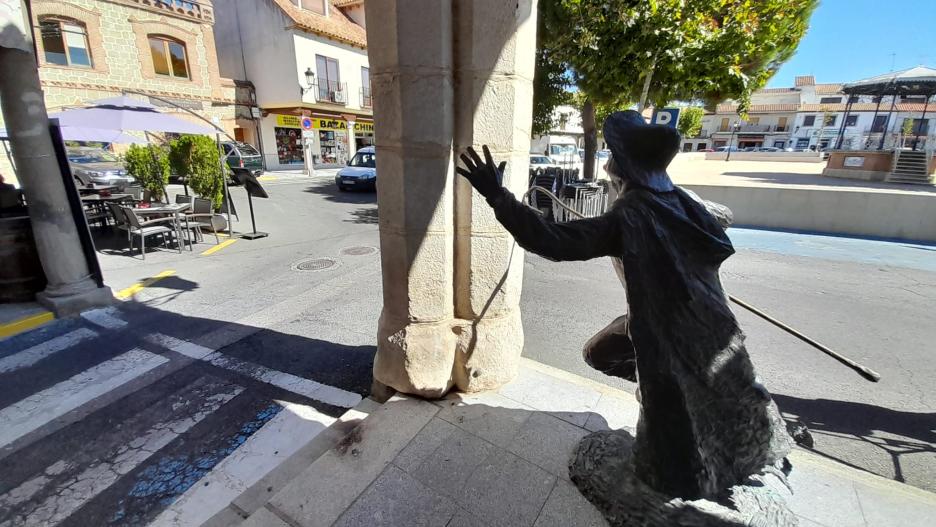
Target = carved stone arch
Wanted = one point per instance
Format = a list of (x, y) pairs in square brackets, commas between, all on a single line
[(90, 18)]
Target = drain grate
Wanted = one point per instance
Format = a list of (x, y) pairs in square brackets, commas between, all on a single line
[(315, 264), (358, 250)]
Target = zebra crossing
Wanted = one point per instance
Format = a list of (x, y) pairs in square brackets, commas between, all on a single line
[(101, 426)]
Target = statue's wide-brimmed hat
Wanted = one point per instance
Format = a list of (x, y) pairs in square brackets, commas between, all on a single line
[(641, 151)]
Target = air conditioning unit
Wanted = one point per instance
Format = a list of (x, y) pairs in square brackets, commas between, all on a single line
[(339, 96)]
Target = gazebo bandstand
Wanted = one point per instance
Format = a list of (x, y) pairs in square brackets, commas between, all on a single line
[(906, 159)]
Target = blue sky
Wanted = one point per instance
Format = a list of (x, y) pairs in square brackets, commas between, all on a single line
[(849, 40)]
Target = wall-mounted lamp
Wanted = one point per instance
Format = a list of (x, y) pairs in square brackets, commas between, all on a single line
[(310, 82)]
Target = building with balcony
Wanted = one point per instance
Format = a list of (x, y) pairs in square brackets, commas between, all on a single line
[(812, 116), (306, 62), (94, 49)]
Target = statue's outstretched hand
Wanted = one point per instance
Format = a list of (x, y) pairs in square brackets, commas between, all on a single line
[(485, 176)]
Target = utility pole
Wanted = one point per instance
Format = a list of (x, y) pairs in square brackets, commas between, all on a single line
[(70, 288), (734, 128)]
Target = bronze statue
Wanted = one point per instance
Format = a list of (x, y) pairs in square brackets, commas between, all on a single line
[(706, 425)]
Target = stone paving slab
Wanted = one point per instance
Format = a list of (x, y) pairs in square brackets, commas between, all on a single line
[(501, 459)]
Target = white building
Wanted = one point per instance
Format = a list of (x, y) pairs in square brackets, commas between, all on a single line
[(810, 116), (307, 60)]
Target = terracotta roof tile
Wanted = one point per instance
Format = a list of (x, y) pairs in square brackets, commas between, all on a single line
[(828, 89), (804, 80), (345, 3), (336, 26)]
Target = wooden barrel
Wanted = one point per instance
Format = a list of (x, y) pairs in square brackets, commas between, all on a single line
[(21, 275)]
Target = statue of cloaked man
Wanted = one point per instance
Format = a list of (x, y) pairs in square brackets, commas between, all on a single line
[(705, 424)]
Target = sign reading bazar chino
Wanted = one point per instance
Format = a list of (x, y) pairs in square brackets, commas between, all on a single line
[(295, 121)]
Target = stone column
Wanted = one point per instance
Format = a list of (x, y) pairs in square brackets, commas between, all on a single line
[(494, 62), (446, 75), (70, 287)]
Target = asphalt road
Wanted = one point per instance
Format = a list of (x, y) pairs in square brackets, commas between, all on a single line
[(252, 301)]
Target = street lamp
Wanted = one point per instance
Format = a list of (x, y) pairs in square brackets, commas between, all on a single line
[(734, 128), (310, 82)]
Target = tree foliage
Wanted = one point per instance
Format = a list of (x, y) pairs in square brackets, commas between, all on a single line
[(691, 49), (551, 84), (690, 121), (149, 165), (196, 157)]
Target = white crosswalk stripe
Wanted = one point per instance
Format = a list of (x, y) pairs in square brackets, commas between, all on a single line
[(104, 317), (83, 487), (42, 407), (269, 446), (287, 381), (30, 356)]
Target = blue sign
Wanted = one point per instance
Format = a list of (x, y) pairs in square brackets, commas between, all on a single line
[(665, 116)]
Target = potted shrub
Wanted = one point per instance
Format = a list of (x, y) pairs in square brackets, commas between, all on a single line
[(197, 160), (149, 165)]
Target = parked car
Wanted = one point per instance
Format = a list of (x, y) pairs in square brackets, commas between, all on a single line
[(540, 162), (242, 157), (96, 165), (727, 148), (361, 172), (769, 149)]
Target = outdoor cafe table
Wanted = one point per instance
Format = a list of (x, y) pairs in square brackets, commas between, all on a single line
[(174, 209)]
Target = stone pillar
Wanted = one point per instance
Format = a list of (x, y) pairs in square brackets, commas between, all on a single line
[(70, 287), (447, 75)]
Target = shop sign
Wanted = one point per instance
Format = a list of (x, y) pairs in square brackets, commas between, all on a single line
[(854, 161), (367, 128), (288, 121)]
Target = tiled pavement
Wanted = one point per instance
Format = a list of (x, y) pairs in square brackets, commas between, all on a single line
[(500, 459)]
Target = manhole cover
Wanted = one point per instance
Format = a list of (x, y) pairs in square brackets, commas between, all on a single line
[(360, 250), (316, 264)]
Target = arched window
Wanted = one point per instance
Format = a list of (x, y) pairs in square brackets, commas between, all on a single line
[(65, 42), (168, 57)]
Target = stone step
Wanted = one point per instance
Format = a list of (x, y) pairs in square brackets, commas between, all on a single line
[(252, 499)]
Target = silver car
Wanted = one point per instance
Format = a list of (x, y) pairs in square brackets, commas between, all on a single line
[(95, 165)]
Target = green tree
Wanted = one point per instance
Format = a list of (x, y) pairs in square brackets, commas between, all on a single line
[(149, 165), (551, 85), (690, 121), (196, 157), (665, 50)]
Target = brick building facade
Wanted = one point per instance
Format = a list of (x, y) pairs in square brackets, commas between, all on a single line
[(92, 49)]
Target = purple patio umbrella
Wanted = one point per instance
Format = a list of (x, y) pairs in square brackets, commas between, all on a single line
[(97, 135), (125, 114)]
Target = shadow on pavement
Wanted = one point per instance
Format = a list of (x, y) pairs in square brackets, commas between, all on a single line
[(364, 215), (895, 432), (252, 355)]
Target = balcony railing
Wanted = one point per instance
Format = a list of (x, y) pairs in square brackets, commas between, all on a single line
[(333, 92), (179, 8), (367, 99)]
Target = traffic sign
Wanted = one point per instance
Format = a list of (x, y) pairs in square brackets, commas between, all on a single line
[(665, 116), (306, 123)]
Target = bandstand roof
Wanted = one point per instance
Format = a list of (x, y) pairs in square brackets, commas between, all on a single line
[(919, 80)]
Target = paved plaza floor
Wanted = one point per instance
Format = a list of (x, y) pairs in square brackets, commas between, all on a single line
[(501, 458)]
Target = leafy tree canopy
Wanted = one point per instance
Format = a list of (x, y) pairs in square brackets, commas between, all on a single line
[(692, 49), (690, 121)]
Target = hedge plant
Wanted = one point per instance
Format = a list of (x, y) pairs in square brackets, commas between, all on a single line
[(196, 158), (149, 165)]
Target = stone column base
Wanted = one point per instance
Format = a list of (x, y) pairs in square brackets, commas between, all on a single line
[(69, 302), (430, 358)]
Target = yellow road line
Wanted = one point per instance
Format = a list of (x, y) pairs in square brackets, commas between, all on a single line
[(137, 287), (218, 247), (25, 324)]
